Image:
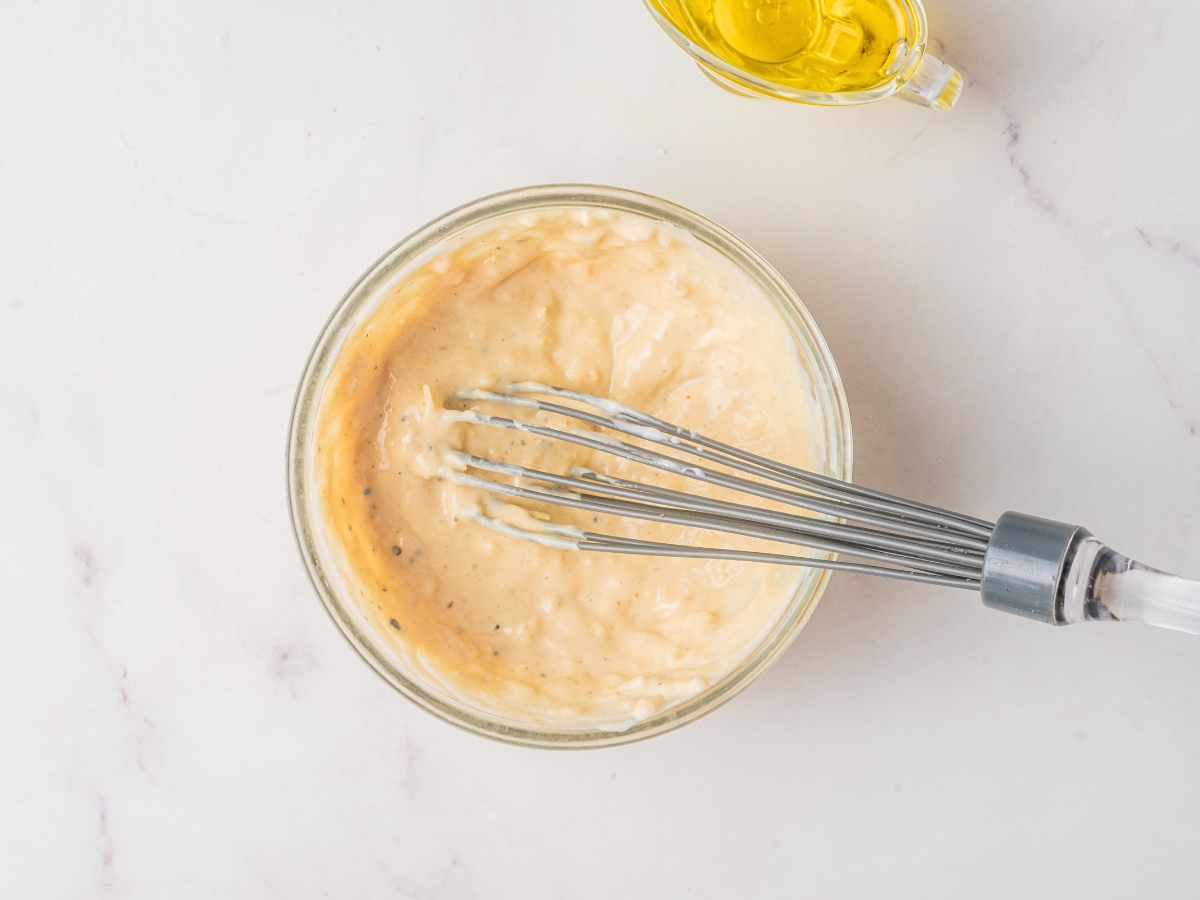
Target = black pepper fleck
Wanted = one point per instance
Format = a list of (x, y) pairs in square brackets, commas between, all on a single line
[(395, 550), (366, 491), (394, 624)]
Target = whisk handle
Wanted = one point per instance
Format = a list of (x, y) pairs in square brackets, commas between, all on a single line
[(1025, 563), (1103, 585), (1059, 573)]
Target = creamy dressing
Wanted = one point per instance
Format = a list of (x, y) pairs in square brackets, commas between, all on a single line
[(600, 302)]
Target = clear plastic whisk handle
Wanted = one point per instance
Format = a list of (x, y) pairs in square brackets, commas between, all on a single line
[(1101, 585), (1059, 573)]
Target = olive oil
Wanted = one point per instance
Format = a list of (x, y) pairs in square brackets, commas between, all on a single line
[(819, 46)]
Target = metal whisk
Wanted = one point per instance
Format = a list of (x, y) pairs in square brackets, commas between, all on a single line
[(1041, 569)]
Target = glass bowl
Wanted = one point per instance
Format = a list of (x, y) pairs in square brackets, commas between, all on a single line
[(830, 439)]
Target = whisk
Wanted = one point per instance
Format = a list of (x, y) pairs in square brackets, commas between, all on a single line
[(1041, 569)]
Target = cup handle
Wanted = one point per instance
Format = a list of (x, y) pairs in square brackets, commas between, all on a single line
[(935, 84)]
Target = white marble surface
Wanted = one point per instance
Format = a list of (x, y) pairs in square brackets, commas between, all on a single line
[(1012, 291)]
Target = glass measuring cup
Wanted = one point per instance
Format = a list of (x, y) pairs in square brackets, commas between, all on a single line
[(824, 52)]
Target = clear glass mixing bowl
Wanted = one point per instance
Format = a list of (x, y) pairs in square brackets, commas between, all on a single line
[(831, 452)]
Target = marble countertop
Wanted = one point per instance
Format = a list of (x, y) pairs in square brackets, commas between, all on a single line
[(1012, 292)]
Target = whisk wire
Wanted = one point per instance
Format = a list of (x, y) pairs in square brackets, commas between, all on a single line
[(635, 423), (609, 544), (727, 511), (729, 525), (912, 541), (838, 509)]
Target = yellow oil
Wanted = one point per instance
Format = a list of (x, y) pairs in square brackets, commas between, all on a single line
[(823, 46)]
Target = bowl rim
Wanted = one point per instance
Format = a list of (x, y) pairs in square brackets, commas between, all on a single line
[(410, 251)]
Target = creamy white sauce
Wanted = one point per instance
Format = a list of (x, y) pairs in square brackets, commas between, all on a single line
[(485, 598)]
